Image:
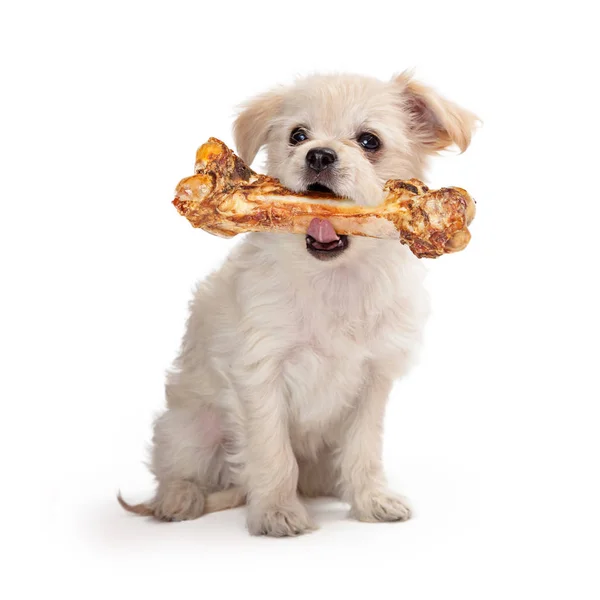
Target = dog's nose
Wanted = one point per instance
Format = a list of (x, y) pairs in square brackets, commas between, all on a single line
[(318, 159)]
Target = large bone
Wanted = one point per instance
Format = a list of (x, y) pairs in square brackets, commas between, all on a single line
[(226, 197)]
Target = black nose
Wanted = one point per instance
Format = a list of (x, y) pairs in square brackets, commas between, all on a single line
[(318, 159)]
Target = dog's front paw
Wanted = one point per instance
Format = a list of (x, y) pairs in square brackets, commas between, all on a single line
[(279, 521), (380, 505)]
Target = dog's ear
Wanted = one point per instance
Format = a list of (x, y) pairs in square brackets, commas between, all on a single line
[(252, 124), (435, 122)]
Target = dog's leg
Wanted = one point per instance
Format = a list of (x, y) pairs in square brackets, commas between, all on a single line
[(362, 481), (188, 463), (271, 470)]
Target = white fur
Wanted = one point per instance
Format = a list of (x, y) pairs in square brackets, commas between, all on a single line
[(285, 368)]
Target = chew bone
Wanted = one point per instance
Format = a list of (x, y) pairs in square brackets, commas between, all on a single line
[(225, 197)]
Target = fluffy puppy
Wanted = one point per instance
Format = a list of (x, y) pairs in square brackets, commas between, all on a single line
[(292, 347)]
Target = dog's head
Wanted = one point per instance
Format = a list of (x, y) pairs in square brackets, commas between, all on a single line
[(348, 135)]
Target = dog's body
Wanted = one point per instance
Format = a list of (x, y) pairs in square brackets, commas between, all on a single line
[(292, 347)]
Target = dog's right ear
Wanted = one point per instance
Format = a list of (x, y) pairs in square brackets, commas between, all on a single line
[(251, 128)]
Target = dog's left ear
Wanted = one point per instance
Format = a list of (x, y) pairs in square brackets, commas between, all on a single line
[(435, 122), (251, 128)]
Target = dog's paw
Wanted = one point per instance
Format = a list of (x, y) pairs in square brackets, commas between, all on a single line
[(279, 521), (178, 501), (380, 505)]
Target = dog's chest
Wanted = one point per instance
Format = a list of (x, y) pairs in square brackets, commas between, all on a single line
[(325, 368), (327, 334)]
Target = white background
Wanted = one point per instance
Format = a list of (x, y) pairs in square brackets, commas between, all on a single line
[(493, 437)]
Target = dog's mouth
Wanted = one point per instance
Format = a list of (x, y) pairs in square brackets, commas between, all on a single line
[(319, 187), (323, 242)]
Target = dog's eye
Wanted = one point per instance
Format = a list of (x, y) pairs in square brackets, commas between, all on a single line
[(369, 141), (298, 136)]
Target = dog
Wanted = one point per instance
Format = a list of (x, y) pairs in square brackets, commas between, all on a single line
[(291, 349)]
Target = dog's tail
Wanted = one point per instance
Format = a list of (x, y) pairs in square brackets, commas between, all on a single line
[(222, 500), (144, 510)]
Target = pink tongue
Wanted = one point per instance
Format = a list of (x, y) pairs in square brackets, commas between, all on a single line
[(322, 231)]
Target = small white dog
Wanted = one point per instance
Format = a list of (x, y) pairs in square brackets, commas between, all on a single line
[(292, 347)]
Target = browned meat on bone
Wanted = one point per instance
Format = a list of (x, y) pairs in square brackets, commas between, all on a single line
[(225, 197)]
